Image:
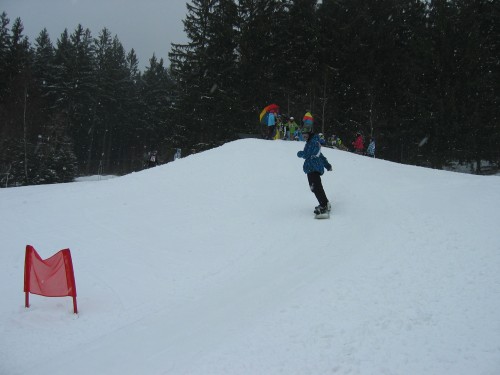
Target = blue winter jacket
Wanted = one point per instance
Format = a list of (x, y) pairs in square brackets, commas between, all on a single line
[(312, 152), (271, 119)]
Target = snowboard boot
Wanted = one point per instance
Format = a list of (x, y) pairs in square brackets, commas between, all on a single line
[(326, 208), (321, 210)]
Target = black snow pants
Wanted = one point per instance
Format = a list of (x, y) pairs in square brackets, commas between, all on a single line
[(316, 186)]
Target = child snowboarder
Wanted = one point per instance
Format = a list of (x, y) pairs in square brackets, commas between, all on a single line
[(314, 166)]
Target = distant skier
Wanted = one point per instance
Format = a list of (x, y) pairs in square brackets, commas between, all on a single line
[(370, 151), (358, 144), (314, 166), (153, 159), (291, 127)]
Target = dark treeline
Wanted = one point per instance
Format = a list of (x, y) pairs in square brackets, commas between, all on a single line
[(422, 77)]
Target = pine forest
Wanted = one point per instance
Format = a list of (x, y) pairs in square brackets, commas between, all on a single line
[(422, 77)]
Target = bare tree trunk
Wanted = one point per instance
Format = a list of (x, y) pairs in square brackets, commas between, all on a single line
[(91, 145), (25, 135), (324, 106), (371, 115), (89, 154)]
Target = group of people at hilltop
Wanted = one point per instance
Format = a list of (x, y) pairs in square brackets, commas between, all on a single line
[(281, 127), (288, 130), (359, 146), (151, 159)]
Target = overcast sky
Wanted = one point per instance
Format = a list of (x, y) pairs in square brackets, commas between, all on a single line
[(147, 26)]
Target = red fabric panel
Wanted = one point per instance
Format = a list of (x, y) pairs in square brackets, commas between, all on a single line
[(52, 277)]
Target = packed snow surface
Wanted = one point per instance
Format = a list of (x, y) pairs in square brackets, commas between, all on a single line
[(214, 264)]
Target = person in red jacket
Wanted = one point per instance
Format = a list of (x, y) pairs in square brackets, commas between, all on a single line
[(358, 144)]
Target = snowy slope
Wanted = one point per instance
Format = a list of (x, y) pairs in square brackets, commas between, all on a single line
[(214, 264)]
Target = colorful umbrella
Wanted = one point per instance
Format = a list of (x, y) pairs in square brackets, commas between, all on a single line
[(270, 108)]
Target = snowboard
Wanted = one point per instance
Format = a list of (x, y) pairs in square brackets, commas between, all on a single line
[(326, 215)]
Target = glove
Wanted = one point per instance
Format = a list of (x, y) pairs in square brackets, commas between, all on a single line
[(300, 154), (329, 167)]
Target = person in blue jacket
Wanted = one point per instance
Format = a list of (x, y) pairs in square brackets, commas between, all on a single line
[(370, 151), (314, 166)]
